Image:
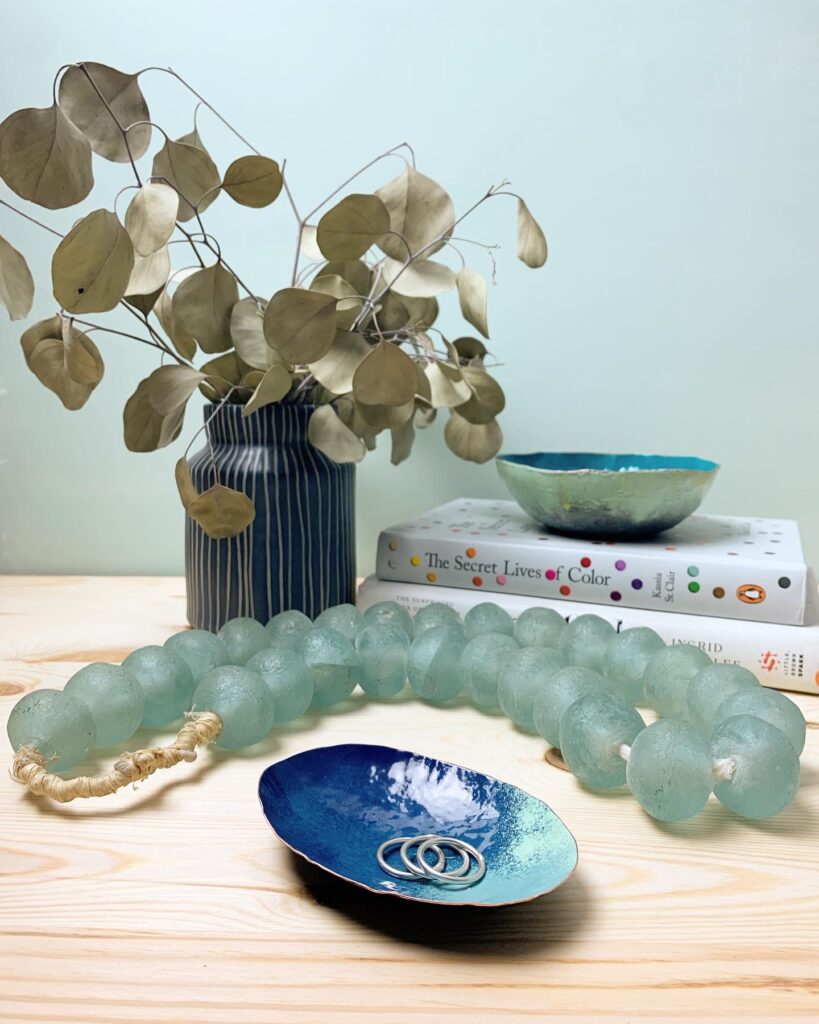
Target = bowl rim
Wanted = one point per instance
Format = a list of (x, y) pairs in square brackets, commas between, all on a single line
[(706, 467)]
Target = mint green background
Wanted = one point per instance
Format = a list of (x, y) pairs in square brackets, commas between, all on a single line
[(670, 150)]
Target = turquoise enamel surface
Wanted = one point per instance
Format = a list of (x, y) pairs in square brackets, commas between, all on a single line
[(336, 805), (596, 495)]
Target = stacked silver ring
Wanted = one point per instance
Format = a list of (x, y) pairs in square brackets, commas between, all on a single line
[(419, 869)]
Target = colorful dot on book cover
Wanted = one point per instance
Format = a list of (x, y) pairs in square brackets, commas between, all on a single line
[(501, 581), (585, 562), (415, 560), (471, 552), (636, 584), (693, 570), (619, 565), (393, 545), (565, 591), (477, 581), (694, 587), (432, 577), (551, 574), (615, 595)]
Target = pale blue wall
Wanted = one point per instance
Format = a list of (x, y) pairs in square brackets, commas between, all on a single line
[(671, 150)]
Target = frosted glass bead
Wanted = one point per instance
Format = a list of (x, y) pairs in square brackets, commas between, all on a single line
[(390, 613), (482, 660), (200, 650), (434, 666), (333, 661), (769, 705), (487, 618), (384, 652), (289, 680), (114, 700), (435, 614), (166, 681), (766, 775), (709, 688), (625, 661), (243, 637), (539, 627), (558, 695), (285, 628), (667, 675), (523, 675), (242, 701), (585, 639), (591, 732), (669, 770), (343, 618), (54, 724)]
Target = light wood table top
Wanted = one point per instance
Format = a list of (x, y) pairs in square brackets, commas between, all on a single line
[(176, 902)]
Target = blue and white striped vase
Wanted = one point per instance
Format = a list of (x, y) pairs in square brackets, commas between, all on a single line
[(299, 551)]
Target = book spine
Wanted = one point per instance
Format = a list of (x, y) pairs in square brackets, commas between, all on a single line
[(597, 573), (784, 657)]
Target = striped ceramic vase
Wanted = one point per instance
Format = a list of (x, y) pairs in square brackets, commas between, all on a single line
[(299, 551)]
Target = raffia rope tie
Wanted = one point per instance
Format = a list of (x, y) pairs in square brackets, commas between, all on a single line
[(30, 767)]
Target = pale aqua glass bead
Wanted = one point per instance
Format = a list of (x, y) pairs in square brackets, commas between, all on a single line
[(669, 770), (627, 655), (343, 618), (523, 675), (285, 628), (54, 724), (166, 681), (333, 661), (390, 613), (435, 614), (243, 637), (289, 680), (482, 660), (766, 767), (557, 696), (114, 700), (487, 618), (434, 666), (769, 705), (710, 687), (241, 700), (591, 733), (539, 627), (384, 652), (667, 675), (585, 639), (200, 650)]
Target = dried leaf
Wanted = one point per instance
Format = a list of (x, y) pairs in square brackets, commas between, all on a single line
[(230, 370), (334, 438), (184, 344), (43, 158), (420, 280), (487, 399), (45, 355), (184, 483), (202, 305), (349, 304), (16, 282), (300, 324), (469, 348), (273, 386), (83, 362), (385, 377), (335, 370), (308, 246), (356, 272), (151, 217), (425, 416), (82, 104), (447, 387), (475, 442), (253, 181), (92, 264), (150, 273), (247, 333), (391, 314), (144, 303), (472, 297), (423, 312), (191, 172), (403, 438), (352, 226), (170, 387), (420, 211), (384, 417), (145, 428), (532, 249), (222, 512)]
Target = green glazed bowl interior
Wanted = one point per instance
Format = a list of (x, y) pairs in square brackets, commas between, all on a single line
[(591, 494)]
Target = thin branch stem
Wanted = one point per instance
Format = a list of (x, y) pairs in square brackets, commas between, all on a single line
[(33, 220), (361, 170)]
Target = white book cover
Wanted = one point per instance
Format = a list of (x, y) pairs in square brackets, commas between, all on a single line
[(784, 657), (724, 566)]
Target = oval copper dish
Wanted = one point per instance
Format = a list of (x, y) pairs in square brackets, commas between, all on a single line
[(589, 494), (334, 806)]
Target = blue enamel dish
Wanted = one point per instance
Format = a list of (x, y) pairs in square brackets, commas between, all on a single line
[(334, 806), (594, 495)]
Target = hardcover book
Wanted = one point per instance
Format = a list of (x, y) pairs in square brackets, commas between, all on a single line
[(784, 657), (724, 566)]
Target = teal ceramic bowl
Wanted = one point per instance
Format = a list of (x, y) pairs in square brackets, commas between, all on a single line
[(593, 495)]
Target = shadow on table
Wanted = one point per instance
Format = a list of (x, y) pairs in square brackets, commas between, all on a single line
[(520, 930)]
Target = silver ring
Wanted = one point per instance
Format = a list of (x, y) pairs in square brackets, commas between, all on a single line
[(419, 868), (449, 877), (432, 841), (412, 875)]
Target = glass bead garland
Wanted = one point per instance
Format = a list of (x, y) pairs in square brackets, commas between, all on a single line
[(575, 684)]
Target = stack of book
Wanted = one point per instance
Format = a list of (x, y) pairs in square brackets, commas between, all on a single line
[(738, 588)]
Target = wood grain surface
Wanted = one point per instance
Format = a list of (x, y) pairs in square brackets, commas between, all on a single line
[(175, 901)]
